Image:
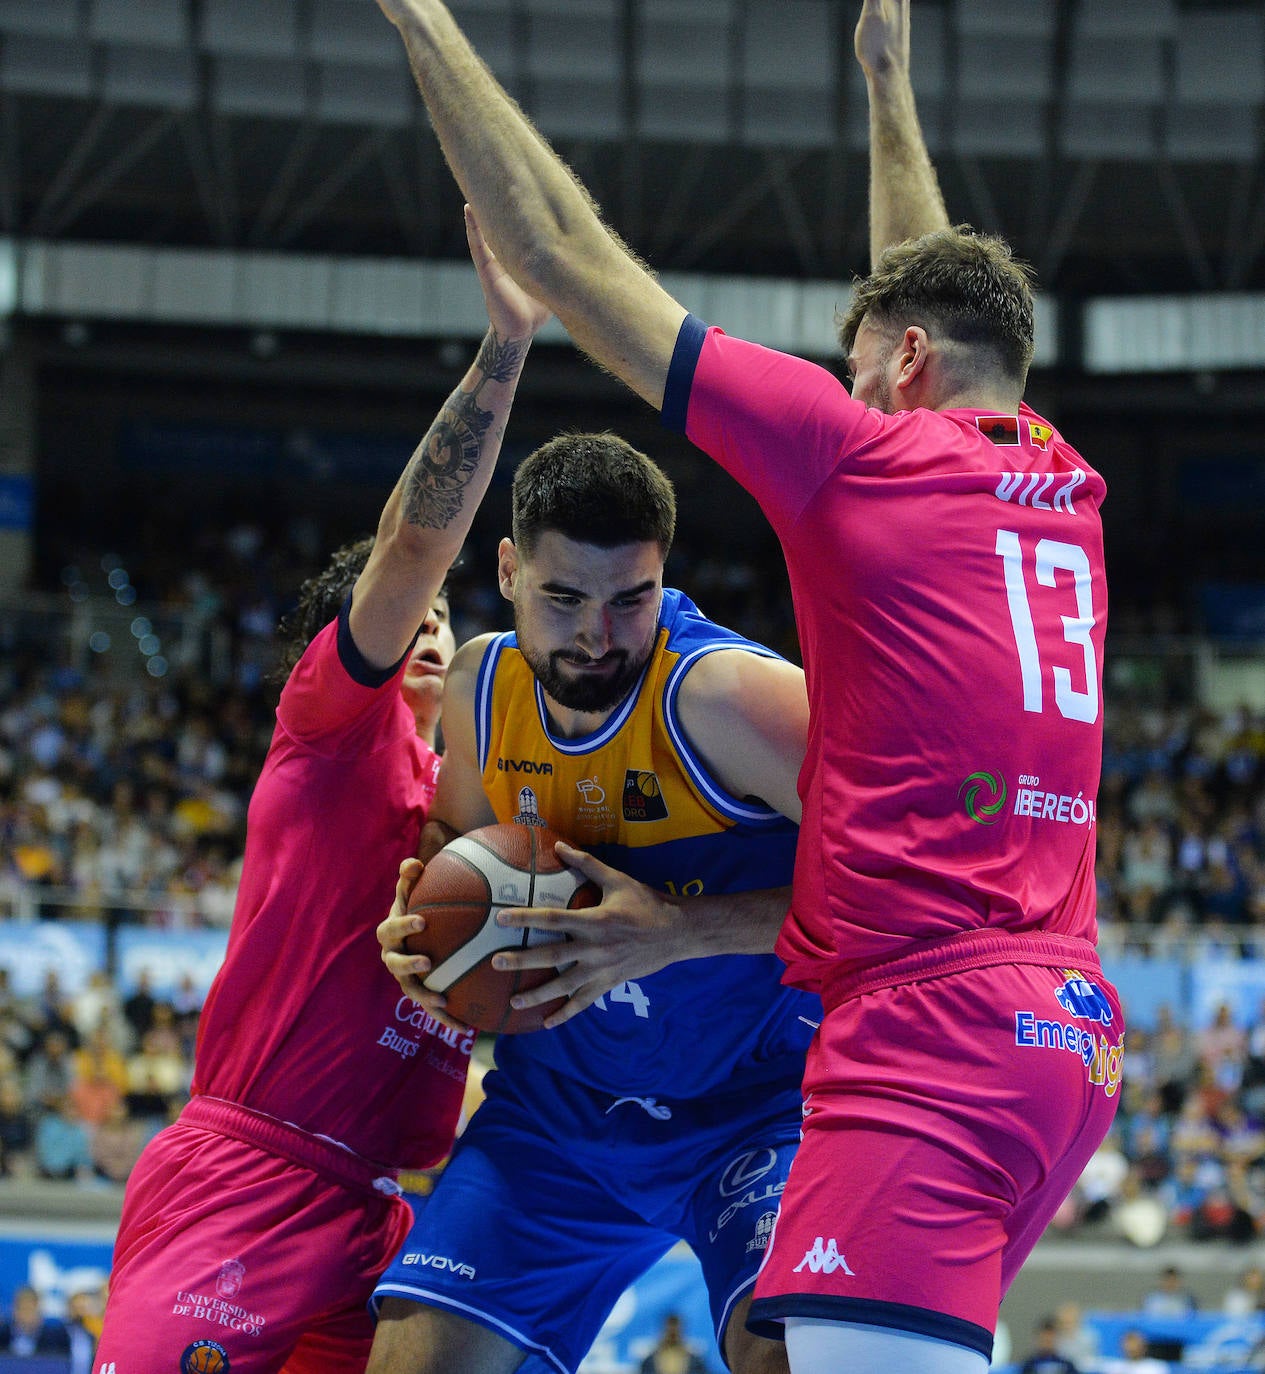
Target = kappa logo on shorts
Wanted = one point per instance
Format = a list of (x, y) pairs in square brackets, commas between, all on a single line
[(204, 1357), (824, 1258)]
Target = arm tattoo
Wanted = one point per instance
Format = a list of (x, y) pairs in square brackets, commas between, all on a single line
[(446, 459), (500, 362)]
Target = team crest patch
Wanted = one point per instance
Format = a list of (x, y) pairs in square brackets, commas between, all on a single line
[(1001, 429), (643, 798), (204, 1357)]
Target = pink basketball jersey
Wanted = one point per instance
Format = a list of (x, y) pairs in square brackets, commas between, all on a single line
[(303, 1023), (947, 574)]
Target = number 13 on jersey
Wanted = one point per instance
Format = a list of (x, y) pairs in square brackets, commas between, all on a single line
[(1050, 557)]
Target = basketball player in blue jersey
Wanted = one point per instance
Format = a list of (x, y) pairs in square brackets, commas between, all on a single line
[(669, 1107)]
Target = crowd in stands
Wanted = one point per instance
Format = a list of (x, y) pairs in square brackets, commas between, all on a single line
[(87, 1078), (1181, 828)]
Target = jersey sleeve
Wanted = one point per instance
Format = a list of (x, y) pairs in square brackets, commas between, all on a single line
[(332, 686), (779, 425)]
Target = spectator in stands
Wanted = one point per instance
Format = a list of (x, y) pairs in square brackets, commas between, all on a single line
[(63, 1145), (99, 1080), (17, 1036), (1170, 1297), (28, 1331), (49, 1072), (17, 1128), (117, 1143), (1247, 1296), (1045, 1357), (1173, 1058), (1135, 1358), (1146, 866), (97, 1004), (138, 1008), (1227, 1211), (1077, 1341), (1222, 1043), (672, 1354), (1139, 1216), (1184, 1191), (1146, 1131), (83, 1323), (1098, 1188), (1252, 1083), (158, 1075)]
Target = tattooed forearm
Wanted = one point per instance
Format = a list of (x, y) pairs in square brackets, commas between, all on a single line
[(444, 462), (448, 457), (501, 360)]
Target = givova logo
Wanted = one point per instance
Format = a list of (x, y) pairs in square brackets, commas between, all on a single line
[(983, 795)]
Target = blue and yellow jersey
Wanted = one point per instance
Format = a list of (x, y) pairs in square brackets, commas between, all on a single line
[(636, 795)]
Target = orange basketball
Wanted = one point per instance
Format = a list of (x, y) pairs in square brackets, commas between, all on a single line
[(460, 892)]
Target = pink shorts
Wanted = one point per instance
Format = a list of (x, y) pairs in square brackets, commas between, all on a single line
[(945, 1120), (247, 1245)]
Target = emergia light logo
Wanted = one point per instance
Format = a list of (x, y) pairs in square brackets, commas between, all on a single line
[(983, 795)]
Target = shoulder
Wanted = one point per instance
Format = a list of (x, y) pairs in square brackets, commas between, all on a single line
[(731, 677), (463, 671)]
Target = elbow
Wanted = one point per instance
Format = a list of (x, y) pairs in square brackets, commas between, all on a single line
[(548, 268), (558, 246)]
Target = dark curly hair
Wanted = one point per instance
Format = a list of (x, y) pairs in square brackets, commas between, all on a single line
[(320, 599), (967, 286)]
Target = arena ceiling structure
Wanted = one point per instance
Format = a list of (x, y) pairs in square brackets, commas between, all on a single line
[(1118, 143), (233, 158)]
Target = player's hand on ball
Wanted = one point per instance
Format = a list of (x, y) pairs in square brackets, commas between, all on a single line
[(632, 932), (409, 970)]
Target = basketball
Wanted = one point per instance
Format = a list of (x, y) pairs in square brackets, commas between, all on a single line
[(460, 892)]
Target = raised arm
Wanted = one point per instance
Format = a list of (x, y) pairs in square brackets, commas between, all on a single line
[(540, 221), (428, 515), (905, 198)]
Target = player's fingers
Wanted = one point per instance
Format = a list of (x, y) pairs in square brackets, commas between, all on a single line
[(410, 872), (573, 1006), (541, 917), (474, 235), (405, 966), (579, 859), (537, 997), (394, 929), (555, 955)]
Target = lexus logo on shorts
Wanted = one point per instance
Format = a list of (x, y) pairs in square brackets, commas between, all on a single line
[(742, 1172)]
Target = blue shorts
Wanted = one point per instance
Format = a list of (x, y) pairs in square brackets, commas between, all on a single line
[(558, 1197)]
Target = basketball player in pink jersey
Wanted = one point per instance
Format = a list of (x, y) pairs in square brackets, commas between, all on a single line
[(944, 547), (255, 1227)]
